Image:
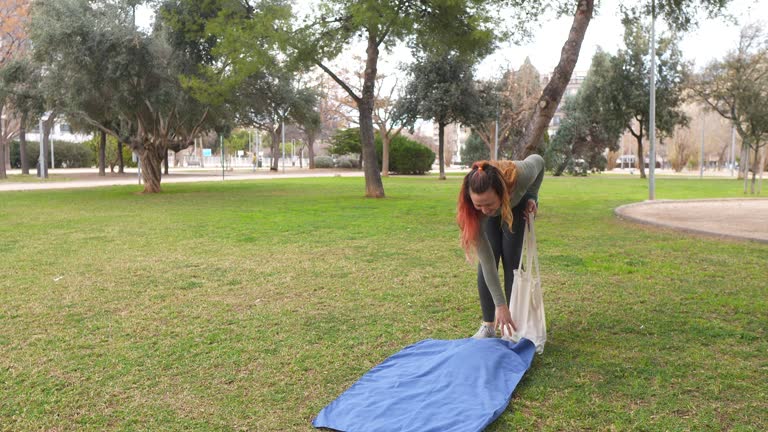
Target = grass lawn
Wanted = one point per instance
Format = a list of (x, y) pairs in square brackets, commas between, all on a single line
[(251, 305)]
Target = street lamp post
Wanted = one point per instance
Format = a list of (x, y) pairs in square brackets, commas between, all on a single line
[(42, 168), (285, 114), (258, 148), (652, 113)]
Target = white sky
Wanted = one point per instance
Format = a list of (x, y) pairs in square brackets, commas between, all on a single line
[(711, 40)]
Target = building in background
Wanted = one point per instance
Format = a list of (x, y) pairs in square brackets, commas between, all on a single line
[(61, 131)]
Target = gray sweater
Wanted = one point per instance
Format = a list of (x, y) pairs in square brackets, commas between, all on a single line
[(530, 174)]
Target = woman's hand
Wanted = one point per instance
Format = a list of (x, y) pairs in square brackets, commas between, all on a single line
[(530, 207), (504, 321)]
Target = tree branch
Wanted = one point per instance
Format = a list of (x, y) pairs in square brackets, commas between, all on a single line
[(339, 82)]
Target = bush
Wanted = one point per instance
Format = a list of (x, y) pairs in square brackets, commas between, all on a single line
[(348, 162), (323, 162), (407, 156), (110, 152), (65, 154)]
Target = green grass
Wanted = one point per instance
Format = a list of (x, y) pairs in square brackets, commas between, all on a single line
[(251, 305)]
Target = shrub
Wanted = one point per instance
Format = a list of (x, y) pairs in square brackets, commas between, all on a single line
[(407, 156), (323, 162), (348, 162), (65, 154), (72, 155), (110, 152)]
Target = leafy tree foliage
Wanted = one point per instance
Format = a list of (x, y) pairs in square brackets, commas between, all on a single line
[(346, 141), (20, 78), (474, 149), (431, 26), (441, 88), (590, 125), (120, 81)]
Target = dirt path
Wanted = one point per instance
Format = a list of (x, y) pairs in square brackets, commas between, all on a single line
[(734, 218), (88, 178)]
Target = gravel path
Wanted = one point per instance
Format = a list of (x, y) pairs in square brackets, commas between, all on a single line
[(734, 218)]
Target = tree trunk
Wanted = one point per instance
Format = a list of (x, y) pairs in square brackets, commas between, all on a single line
[(385, 140), (762, 168), (103, 154), (374, 188), (275, 134), (311, 152), (3, 173), (755, 164), (553, 92), (440, 148), (23, 144), (165, 162), (640, 156), (744, 168), (558, 171), (150, 168), (494, 141), (120, 162)]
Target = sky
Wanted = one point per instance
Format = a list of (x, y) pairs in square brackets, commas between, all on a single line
[(711, 40)]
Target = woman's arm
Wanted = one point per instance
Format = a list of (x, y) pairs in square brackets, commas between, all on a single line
[(488, 264)]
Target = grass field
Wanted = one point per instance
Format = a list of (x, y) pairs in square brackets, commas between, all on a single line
[(251, 305)]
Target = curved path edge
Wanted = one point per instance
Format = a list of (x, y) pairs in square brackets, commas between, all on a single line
[(639, 213)]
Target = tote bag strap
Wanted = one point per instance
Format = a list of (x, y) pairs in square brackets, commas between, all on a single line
[(524, 263), (533, 249)]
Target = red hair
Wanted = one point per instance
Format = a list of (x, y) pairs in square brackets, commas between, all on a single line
[(501, 177)]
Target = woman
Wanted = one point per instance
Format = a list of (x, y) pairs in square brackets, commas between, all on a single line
[(496, 199)]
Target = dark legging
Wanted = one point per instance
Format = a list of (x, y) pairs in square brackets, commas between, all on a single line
[(507, 246)]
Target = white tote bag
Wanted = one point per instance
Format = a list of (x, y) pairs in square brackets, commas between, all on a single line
[(526, 302)]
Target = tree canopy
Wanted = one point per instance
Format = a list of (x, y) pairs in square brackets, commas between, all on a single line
[(441, 88)]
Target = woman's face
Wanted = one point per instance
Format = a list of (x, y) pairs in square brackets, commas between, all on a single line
[(487, 202)]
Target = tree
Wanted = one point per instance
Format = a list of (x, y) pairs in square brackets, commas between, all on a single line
[(680, 15), (267, 101), (429, 25), (737, 89), (681, 149), (441, 88), (509, 104), (386, 120), (590, 125), (474, 149), (346, 141), (13, 41), (20, 78), (621, 91), (120, 81)]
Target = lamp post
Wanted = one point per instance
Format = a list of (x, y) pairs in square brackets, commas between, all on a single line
[(652, 113), (285, 114), (42, 168)]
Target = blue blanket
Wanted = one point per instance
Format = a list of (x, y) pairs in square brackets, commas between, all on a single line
[(434, 385)]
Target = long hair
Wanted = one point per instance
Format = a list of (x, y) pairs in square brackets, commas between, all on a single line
[(499, 176)]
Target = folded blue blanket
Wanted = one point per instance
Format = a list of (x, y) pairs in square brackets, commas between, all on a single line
[(458, 385)]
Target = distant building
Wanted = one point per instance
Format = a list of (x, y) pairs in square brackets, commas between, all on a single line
[(61, 131)]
